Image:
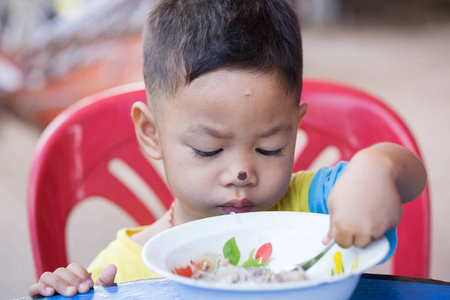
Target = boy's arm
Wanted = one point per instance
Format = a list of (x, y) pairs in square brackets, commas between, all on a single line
[(367, 199)]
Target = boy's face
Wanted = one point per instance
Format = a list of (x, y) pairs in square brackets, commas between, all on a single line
[(227, 142)]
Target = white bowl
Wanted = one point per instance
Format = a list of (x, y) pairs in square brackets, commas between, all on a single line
[(294, 236)]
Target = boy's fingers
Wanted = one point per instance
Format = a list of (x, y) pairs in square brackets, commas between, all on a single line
[(66, 282), (327, 239), (361, 241), (107, 275), (330, 234), (344, 241), (59, 284), (341, 236), (82, 273), (41, 288)]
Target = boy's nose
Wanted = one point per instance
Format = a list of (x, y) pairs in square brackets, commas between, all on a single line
[(239, 178), (242, 175), (239, 170)]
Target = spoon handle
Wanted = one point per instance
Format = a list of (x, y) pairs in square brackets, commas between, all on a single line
[(308, 264)]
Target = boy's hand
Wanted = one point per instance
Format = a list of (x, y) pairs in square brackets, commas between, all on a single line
[(363, 207), (367, 199), (71, 280)]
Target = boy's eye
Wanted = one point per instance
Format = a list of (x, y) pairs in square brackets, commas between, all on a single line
[(205, 154), (278, 152)]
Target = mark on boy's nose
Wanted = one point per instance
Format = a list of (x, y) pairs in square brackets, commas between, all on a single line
[(242, 175)]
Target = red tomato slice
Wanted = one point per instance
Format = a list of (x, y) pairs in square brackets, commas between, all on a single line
[(183, 271), (264, 252)]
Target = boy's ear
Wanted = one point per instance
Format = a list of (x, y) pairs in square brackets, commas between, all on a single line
[(146, 130), (302, 111)]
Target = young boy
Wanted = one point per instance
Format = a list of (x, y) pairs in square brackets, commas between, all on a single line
[(223, 81)]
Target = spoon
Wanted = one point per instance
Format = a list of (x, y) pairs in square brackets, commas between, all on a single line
[(312, 261)]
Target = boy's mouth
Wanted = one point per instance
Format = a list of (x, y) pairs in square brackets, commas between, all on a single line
[(237, 206)]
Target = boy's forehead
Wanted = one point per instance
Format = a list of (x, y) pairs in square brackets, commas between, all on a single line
[(226, 84)]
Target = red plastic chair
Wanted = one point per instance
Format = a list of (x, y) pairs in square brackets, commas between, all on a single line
[(77, 152), (78, 156), (349, 120)]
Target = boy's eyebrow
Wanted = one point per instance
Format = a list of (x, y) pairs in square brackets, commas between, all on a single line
[(203, 130), (277, 129)]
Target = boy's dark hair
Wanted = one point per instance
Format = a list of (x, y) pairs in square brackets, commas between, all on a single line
[(184, 39)]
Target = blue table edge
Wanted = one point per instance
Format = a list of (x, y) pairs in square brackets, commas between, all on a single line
[(365, 276)]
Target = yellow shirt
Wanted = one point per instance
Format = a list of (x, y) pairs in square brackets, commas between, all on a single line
[(126, 254)]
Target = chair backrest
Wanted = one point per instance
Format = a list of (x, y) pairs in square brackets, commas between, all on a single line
[(85, 149), (350, 120), (89, 150)]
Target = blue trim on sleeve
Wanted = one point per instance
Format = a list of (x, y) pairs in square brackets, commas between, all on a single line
[(392, 238), (319, 190), (321, 185)]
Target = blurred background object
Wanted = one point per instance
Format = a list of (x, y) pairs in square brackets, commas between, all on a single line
[(380, 12), (66, 50), (396, 12)]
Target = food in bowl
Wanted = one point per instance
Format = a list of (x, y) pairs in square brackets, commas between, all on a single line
[(215, 267), (223, 271), (289, 238)]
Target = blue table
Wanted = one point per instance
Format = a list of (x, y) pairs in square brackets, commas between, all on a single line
[(370, 286)]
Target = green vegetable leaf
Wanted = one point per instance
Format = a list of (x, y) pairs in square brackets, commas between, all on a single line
[(255, 262), (231, 251)]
